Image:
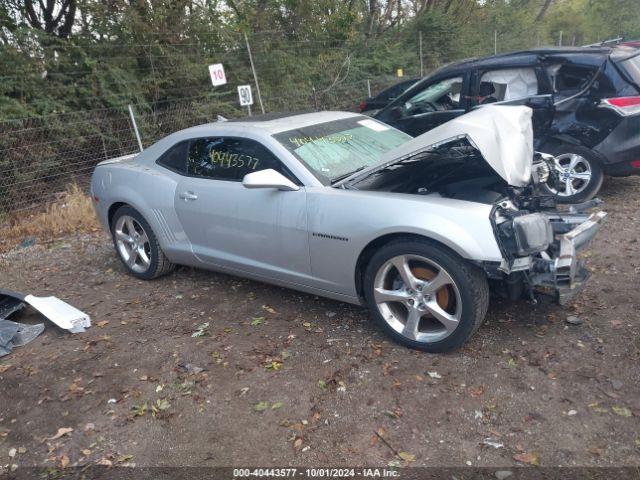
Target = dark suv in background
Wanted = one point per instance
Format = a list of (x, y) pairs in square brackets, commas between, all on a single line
[(371, 105), (585, 101)]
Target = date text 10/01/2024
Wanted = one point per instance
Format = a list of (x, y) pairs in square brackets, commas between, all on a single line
[(316, 472)]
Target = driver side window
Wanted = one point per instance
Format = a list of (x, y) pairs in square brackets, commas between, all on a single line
[(439, 96), (226, 158)]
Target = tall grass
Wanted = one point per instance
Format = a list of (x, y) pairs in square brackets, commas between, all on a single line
[(71, 213)]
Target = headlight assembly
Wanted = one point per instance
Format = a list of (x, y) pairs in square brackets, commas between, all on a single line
[(533, 233)]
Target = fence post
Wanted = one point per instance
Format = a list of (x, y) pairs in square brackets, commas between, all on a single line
[(495, 42), (255, 75), (135, 127), (421, 61), (369, 88), (315, 98)]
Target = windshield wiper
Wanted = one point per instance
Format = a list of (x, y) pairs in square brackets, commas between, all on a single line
[(342, 177)]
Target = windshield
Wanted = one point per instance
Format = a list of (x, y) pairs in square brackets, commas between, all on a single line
[(333, 150), (443, 95)]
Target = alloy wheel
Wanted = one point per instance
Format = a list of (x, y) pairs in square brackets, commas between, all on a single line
[(573, 174), (133, 244), (417, 298)]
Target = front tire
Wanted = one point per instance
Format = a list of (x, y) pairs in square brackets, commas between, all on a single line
[(579, 173), (425, 296), (137, 245)]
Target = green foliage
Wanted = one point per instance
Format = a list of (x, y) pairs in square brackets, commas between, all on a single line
[(63, 97)]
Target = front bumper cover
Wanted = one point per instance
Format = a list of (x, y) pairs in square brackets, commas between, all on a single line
[(563, 274)]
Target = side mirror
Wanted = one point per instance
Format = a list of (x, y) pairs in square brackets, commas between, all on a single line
[(269, 178)]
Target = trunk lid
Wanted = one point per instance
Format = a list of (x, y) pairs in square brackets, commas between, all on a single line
[(502, 134)]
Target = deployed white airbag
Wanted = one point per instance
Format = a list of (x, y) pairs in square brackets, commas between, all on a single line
[(516, 82)]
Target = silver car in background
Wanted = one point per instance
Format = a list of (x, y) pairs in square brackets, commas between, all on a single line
[(340, 205)]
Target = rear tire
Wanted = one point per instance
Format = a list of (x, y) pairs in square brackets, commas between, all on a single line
[(579, 172), (442, 307), (137, 246)]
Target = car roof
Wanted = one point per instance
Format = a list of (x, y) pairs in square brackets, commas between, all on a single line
[(522, 56), (272, 123)]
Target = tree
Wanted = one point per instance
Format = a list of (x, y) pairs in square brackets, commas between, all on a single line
[(55, 17)]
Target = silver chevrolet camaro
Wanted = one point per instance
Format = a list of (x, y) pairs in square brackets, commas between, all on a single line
[(340, 205)]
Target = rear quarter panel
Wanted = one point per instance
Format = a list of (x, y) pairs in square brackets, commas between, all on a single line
[(150, 190)]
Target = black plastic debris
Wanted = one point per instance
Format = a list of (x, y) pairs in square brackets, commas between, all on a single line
[(13, 334), (9, 305)]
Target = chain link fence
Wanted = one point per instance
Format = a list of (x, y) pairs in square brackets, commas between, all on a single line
[(40, 157)]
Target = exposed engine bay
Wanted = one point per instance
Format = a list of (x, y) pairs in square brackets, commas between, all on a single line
[(458, 170)]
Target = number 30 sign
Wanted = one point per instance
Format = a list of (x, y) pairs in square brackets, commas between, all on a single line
[(216, 72)]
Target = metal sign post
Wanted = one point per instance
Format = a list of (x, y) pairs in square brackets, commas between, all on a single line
[(255, 75)]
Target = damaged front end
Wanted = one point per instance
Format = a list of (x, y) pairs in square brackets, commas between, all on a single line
[(487, 157), (541, 250)]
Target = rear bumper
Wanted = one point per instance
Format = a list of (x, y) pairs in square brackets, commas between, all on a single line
[(563, 274)]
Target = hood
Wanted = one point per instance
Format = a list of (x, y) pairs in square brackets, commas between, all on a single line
[(502, 134)]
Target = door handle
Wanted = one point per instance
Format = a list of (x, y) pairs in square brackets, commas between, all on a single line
[(188, 196)]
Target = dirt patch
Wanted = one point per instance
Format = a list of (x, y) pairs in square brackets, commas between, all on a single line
[(293, 379)]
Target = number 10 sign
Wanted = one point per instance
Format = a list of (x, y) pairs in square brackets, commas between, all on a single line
[(216, 71)]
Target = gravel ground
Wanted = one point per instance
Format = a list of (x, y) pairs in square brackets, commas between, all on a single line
[(283, 378)]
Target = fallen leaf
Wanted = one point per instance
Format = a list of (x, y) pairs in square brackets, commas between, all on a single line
[(261, 406), (257, 321), (4, 368), (276, 405), (269, 309), (105, 462), (103, 323), (124, 458), (322, 384), (622, 411), (64, 461), (476, 392), (86, 452), (62, 432), (297, 443), (274, 365), (407, 457), (596, 451), (529, 458)]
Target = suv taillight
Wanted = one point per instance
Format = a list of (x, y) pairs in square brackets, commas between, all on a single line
[(623, 105)]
